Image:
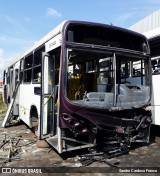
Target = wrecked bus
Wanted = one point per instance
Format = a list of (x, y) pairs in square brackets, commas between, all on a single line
[(153, 37), (81, 85)]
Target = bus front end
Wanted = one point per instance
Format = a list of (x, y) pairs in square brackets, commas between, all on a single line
[(105, 86)]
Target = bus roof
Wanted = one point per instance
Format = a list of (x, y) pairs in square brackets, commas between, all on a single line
[(58, 30)]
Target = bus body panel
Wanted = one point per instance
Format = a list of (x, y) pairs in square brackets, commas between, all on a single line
[(155, 99), (27, 99), (153, 37)]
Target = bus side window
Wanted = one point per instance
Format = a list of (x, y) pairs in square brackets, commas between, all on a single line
[(27, 76), (154, 65), (16, 76), (37, 75), (28, 68), (56, 55), (21, 70), (158, 66), (37, 65)]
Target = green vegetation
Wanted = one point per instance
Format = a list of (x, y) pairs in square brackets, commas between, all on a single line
[(2, 106)]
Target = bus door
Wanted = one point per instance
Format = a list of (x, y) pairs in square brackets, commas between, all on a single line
[(47, 116)]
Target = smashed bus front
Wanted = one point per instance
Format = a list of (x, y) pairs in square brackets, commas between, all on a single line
[(106, 85)]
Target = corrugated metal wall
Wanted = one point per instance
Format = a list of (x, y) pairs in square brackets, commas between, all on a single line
[(148, 23)]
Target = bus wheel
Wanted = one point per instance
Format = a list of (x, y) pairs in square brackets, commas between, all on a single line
[(34, 119), (35, 125)]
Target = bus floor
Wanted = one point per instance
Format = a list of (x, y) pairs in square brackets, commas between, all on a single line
[(26, 153)]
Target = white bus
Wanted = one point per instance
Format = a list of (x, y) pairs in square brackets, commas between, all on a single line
[(83, 84), (154, 41)]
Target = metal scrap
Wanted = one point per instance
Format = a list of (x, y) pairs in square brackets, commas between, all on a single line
[(90, 159), (107, 156), (12, 149), (11, 144), (4, 142)]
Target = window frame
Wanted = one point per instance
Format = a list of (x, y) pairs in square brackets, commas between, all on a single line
[(27, 69)]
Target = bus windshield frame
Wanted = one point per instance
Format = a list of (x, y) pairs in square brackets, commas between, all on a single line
[(109, 36), (126, 74)]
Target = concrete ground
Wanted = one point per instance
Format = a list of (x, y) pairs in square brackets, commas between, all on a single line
[(28, 155)]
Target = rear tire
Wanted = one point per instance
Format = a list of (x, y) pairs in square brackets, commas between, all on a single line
[(34, 120), (35, 128)]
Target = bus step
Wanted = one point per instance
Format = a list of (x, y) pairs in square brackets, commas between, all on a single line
[(53, 141)]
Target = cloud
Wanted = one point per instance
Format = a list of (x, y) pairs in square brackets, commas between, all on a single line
[(2, 38), (53, 13), (126, 16), (152, 1), (13, 24), (1, 64), (125, 19), (27, 19)]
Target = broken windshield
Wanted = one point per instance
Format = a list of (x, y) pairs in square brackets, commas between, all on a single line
[(105, 79)]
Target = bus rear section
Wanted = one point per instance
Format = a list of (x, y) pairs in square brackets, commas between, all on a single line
[(1, 85), (11, 78)]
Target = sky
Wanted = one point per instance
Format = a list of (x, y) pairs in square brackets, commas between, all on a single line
[(23, 22)]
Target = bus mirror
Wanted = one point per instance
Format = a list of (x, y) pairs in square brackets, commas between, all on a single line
[(37, 90)]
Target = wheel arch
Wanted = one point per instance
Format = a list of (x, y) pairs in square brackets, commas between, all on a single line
[(33, 114)]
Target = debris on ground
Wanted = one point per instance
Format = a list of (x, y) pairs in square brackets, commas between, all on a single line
[(26, 153), (88, 159), (12, 145)]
